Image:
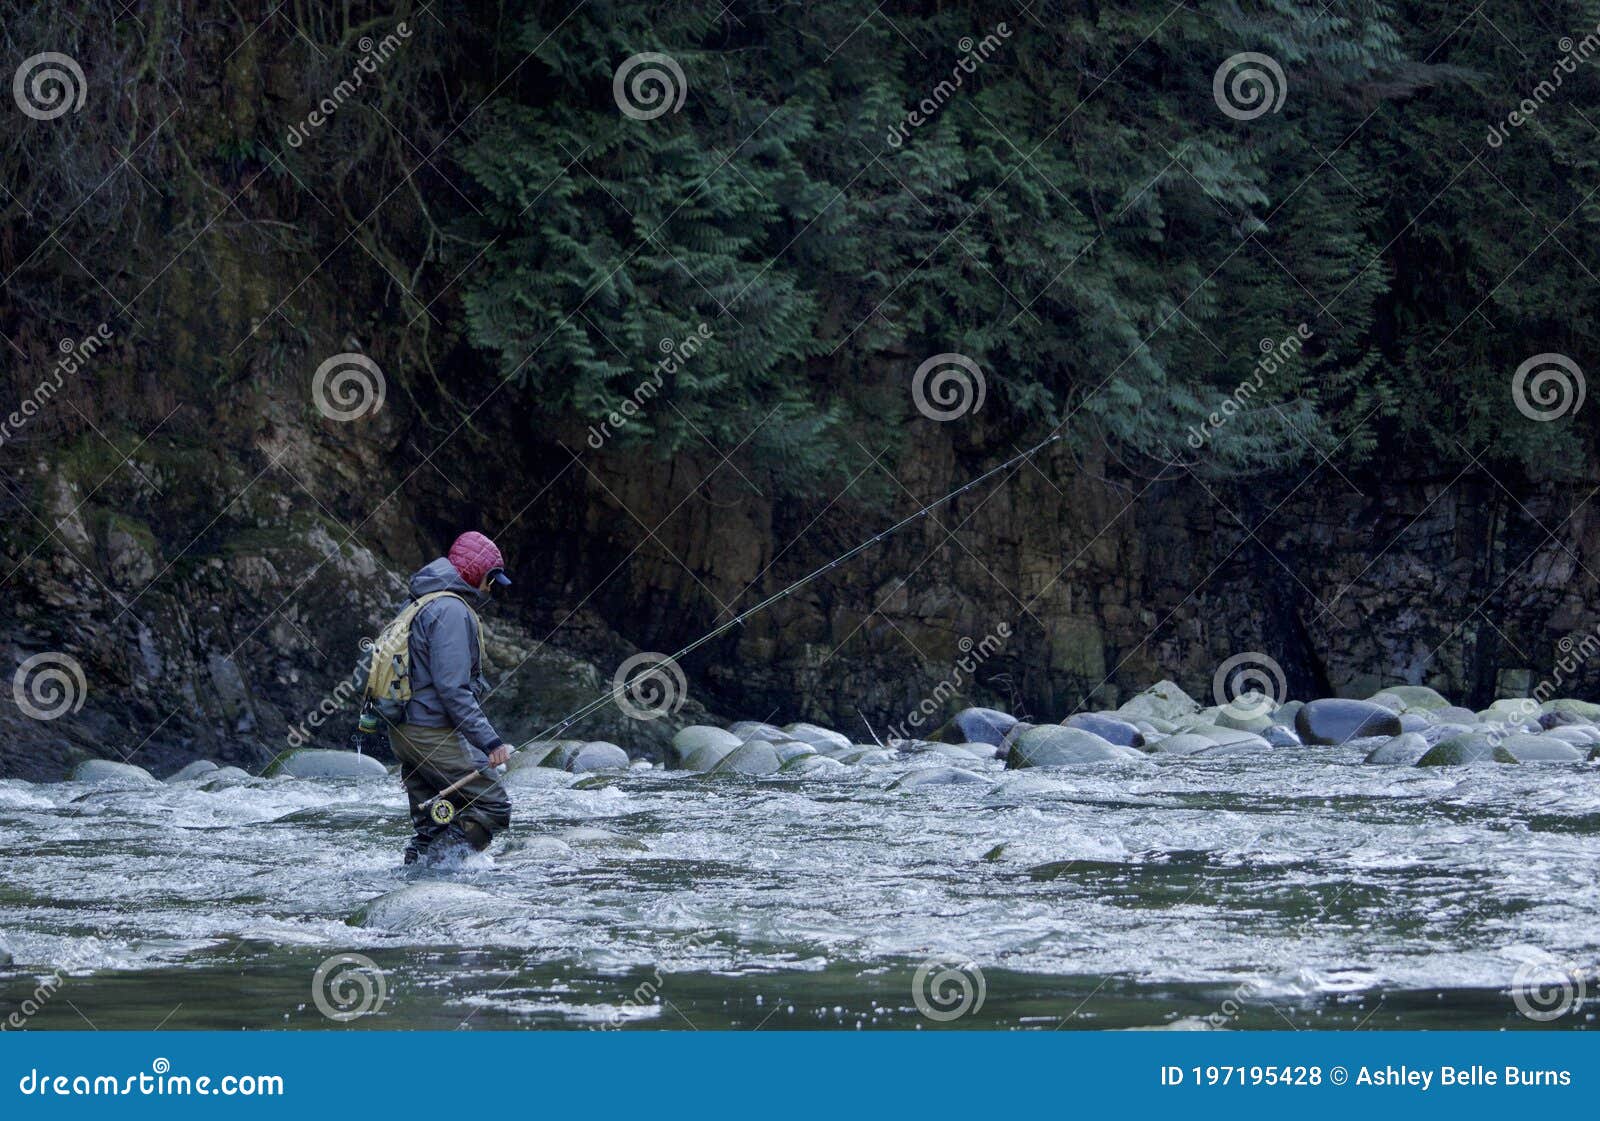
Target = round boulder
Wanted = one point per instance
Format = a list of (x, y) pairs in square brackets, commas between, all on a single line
[(1184, 743), (311, 762), (1164, 700), (596, 756), (698, 738), (193, 770), (1335, 720), (1055, 746), (1541, 749), (977, 725), (817, 736), (1108, 728), (103, 772), (1279, 736), (1411, 698), (754, 758), (1470, 747)]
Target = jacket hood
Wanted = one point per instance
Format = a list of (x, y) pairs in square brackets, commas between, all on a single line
[(439, 575)]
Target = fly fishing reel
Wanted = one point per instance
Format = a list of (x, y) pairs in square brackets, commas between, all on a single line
[(443, 812)]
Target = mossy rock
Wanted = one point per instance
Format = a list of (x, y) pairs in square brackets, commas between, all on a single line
[(814, 764), (697, 738), (1412, 698), (755, 758), (1587, 710), (541, 753), (597, 755), (313, 762), (1055, 746), (193, 770), (1472, 747), (1165, 699)]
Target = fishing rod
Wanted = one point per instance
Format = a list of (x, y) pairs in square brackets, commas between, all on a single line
[(441, 809)]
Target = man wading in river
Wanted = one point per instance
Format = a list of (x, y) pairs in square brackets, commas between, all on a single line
[(441, 735)]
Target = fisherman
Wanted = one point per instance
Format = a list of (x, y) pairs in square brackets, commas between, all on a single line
[(444, 736)]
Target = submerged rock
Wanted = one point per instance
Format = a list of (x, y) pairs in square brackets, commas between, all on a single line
[(523, 850), (977, 725), (192, 770), (1401, 751), (1471, 747), (312, 762), (1336, 721), (105, 772), (584, 837), (1255, 745), (698, 738), (814, 764), (1055, 746), (1582, 734), (224, 777), (1108, 728), (936, 776), (427, 906), (1163, 699)]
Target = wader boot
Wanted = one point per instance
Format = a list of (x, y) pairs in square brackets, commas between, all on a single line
[(432, 759)]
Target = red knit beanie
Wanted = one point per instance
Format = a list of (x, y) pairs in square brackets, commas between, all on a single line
[(475, 556)]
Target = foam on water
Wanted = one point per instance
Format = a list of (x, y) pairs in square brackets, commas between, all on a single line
[(1303, 876)]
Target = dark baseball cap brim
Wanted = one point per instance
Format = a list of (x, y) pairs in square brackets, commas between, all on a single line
[(501, 578)]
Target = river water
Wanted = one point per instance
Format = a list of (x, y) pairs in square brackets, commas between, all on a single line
[(1302, 889)]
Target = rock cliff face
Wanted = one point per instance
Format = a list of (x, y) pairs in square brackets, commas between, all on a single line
[(214, 591)]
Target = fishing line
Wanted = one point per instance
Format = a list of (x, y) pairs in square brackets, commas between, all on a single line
[(443, 809)]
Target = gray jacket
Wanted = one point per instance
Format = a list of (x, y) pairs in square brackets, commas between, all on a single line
[(446, 677)]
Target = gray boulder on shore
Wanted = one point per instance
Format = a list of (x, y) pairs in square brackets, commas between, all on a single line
[(1055, 746), (1336, 720)]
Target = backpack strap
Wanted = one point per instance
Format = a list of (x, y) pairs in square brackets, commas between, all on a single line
[(416, 606)]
